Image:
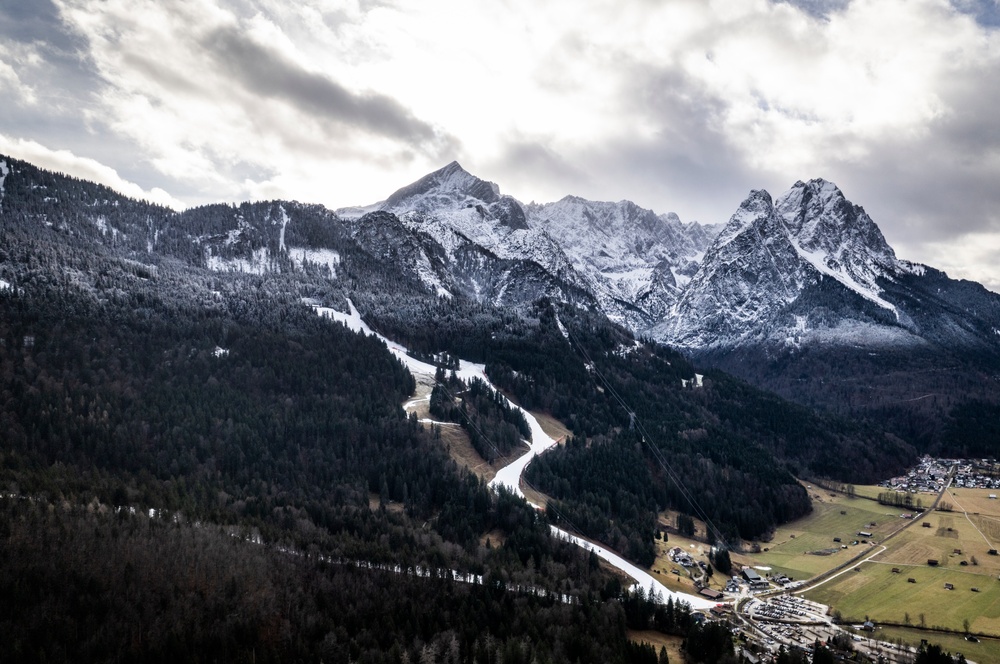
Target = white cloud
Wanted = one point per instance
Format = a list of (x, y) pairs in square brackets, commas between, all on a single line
[(681, 105), (64, 161), (13, 60)]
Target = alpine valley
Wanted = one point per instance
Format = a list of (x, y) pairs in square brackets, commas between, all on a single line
[(197, 466)]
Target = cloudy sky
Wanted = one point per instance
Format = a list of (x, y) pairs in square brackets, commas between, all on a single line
[(678, 105)]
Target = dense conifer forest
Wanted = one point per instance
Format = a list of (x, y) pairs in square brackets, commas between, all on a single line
[(195, 466)]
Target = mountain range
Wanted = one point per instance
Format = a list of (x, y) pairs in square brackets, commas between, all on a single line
[(171, 401), (800, 294), (795, 293)]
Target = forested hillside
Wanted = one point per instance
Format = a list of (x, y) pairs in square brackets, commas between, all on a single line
[(153, 360), (182, 449), (736, 448)]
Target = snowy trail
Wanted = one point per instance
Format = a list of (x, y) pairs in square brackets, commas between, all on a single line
[(642, 578), (510, 475)]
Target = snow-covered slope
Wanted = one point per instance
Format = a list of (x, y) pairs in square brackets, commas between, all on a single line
[(837, 237), (623, 259), (635, 261), (812, 267), (463, 236)]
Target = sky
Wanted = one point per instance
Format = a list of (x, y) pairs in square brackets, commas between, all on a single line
[(678, 105)]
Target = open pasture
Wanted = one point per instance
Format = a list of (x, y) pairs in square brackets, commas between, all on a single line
[(806, 547), (883, 595), (951, 540), (986, 651), (974, 500)]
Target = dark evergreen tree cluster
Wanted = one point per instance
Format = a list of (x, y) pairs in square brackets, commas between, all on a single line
[(495, 428), (720, 558), (194, 464), (84, 584)]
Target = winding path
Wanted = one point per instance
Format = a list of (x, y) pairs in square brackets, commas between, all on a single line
[(510, 475)]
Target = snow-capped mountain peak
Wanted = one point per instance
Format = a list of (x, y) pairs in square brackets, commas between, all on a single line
[(757, 207), (837, 237), (819, 217), (444, 186)]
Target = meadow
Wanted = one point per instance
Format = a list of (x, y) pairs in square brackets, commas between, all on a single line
[(959, 543), (806, 547)]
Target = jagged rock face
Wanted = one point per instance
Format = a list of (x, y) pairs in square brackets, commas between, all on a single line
[(457, 234), (840, 235), (751, 272), (442, 188), (635, 261), (617, 257), (632, 262), (813, 268)]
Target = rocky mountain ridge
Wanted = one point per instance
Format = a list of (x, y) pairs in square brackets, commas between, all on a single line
[(791, 295)]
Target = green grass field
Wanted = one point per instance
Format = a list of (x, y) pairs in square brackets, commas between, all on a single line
[(793, 551), (881, 595), (870, 491), (951, 538), (987, 651)]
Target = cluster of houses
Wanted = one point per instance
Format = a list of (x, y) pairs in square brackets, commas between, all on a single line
[(931, 474), (978, 474), (681, 557)]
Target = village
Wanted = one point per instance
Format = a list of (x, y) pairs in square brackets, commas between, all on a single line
[(931, 474), (764, 607)]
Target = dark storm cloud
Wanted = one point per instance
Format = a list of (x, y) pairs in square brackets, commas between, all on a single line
[(267, 73)]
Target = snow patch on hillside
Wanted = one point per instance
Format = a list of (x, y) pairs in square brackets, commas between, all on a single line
[(259, 263), (328, 257), (562, 328), (868, 291), (4, 172), (864, 335), (102, 225), (284, 223)]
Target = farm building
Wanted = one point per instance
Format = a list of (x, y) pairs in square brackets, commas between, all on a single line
[(710, 593)]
